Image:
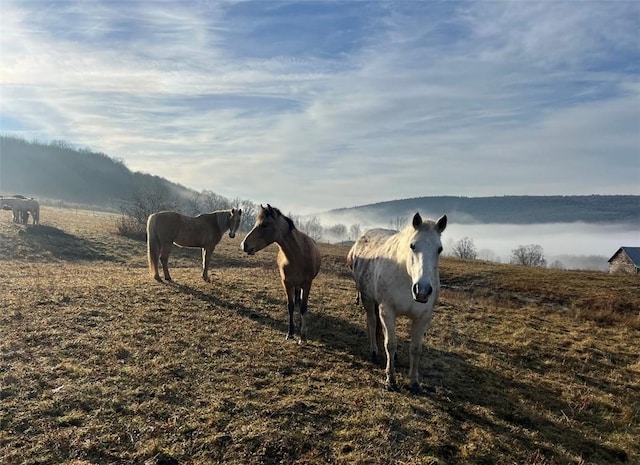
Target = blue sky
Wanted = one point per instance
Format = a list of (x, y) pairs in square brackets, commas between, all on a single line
[(318, 105)]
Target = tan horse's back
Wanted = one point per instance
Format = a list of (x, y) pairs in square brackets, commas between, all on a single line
[(164, 225)]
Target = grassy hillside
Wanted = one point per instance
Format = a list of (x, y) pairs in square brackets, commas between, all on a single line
[(101, 364), (57, 171)]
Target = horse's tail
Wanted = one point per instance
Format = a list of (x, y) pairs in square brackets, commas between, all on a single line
[(153, 246)]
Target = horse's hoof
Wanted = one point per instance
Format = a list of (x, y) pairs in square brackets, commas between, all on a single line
[(288, 336), (375, 359), (416, 389), (391, 386), (157, 278)]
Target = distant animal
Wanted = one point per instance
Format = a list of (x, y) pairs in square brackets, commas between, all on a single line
[(298, 259), (21, 207), (204, 231), (396, 274)]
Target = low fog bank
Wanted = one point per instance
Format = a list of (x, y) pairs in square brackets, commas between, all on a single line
[(566, 245), (565, 242)]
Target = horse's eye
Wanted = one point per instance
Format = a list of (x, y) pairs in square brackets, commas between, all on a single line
[(440, 249), (413, 246)]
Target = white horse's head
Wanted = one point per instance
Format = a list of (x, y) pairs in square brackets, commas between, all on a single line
[(423, 256)]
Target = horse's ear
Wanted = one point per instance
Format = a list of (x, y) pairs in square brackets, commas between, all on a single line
[(417, 220), (239, 211), (441, 223)]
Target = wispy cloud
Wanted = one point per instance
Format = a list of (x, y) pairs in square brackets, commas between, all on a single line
[(314, 105)]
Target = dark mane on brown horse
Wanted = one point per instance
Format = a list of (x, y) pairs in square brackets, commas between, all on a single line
[(273, 212)]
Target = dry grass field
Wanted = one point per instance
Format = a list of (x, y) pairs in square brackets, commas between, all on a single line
[(101, 364)]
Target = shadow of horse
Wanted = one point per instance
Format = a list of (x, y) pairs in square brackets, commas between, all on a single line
[(62, 245), (520, 412), (512, 408), (240, 310)]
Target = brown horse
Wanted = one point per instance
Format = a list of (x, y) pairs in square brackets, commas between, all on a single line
[(298, 259), (203, 231)]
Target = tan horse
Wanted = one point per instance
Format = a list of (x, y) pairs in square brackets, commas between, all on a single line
[(204, 231), (396, 274), (298, 259)]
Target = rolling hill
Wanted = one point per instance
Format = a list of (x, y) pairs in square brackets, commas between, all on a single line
[(508, 209), (57, 171)]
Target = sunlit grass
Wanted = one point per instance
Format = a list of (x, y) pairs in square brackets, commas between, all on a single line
[(101, 364)]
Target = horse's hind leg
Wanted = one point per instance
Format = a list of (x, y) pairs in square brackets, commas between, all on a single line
[(206, 256), (371, 309), (290, 290), (165, 249)]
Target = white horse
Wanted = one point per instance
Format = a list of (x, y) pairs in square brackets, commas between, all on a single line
[(21, 207), (396, 274)]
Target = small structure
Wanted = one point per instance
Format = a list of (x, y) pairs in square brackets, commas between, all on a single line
[(625, 260)]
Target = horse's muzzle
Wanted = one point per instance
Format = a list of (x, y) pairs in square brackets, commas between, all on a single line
[(247, 249), (421, 294), (232, 235)]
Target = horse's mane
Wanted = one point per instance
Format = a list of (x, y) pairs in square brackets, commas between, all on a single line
[(276, 212)]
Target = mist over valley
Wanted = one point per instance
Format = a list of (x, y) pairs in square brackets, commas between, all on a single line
[(574, 231)]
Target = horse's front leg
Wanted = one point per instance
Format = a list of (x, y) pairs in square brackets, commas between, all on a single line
[(291, 305), (304, 301), (206, 257), (388, 319), (418, 328)]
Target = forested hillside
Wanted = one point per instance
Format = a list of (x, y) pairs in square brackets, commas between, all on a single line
[(58, 171), (509, 209)]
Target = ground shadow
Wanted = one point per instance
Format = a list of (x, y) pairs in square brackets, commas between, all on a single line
[(464, 389), (243, 311), (53, 242), (468, 394)]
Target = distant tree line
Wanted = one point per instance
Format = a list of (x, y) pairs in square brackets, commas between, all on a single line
[(509, 209)]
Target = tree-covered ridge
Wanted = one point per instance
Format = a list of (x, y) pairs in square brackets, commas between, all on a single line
[(58, 171), (512, 209)]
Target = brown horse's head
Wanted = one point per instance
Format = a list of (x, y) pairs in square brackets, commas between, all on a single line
[(234, 221), (271, 225)]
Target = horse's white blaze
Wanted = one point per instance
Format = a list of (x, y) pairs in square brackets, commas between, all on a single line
[(422, 266)]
